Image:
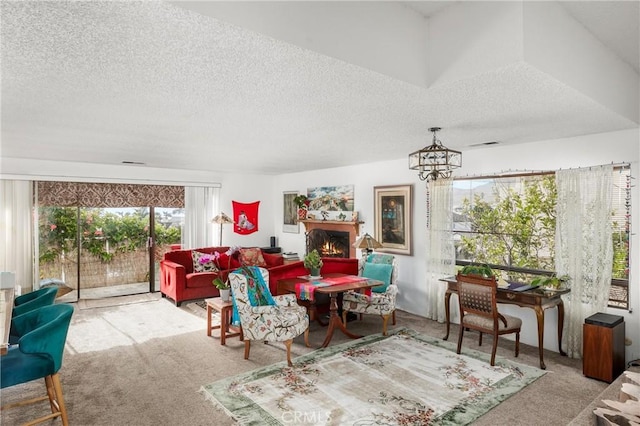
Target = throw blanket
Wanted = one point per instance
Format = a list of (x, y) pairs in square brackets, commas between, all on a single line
[(257, 291)]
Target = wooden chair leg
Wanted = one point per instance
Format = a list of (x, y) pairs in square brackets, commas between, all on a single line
[(306, 338), (494, 348), (51, 393), (385, 320), (460, 334), (60, 398), (517, 344), (287, 343), (344, 317), (394, 318), (247, 347), (480, 339)]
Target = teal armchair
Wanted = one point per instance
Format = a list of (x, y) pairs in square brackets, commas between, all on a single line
[(33, 300), (39, 355), (27, 303)]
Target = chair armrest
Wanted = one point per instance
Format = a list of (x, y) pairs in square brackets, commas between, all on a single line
[(39, 341), (502, 318), (286, 300)]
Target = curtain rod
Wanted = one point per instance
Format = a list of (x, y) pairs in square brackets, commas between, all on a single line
[(516, 173)]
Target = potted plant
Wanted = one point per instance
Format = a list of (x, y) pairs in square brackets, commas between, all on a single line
[(302, 201), (482, 270), (553, 282), (223, 287), (313, 262)]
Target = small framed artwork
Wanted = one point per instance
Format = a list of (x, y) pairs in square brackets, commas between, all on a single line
[(290, 213), (392, 218)]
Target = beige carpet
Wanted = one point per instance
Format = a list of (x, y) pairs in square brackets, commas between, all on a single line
[(144, 363)]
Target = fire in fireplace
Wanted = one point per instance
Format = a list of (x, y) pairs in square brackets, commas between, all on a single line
[(328, 243)]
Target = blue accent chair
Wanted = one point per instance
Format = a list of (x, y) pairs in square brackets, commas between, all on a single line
[(39, 355), (36, 299)]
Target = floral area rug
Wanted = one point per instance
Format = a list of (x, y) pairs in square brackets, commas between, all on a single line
[(404, 379)]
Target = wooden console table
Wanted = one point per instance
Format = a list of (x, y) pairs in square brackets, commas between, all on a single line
[(537, 299)]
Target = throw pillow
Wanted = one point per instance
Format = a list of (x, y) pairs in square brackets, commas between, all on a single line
[(378, 271), (252, 257), (203, 262)]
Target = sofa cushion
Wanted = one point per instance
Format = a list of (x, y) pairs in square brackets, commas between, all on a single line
[(203, 262), (273, 259), (252, 257), (378, 271), (226, 262)]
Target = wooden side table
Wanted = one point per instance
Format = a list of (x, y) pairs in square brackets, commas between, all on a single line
[(225, 309)]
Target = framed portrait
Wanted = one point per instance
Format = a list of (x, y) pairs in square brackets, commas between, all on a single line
[(392, 218), (290, 213)]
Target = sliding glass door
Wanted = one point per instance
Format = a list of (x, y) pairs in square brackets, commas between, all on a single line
[(119, 248)]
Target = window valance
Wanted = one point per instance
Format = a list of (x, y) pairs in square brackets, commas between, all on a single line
[(86, 194)]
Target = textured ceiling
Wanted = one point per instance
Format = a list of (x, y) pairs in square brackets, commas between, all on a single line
[(106, 82)]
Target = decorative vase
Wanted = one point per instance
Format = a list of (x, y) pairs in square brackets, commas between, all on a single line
[(225, 294), (314, 272), (302, 214)]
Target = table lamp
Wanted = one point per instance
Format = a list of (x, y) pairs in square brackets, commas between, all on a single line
[(367, 244), (222, 219)]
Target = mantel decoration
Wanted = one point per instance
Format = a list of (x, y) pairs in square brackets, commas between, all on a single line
[(302, 201), (221, 219), (435, 161)]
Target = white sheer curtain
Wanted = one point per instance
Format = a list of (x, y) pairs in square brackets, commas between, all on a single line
[(201, 204), (16, 231), (584, 247), (440, 248)]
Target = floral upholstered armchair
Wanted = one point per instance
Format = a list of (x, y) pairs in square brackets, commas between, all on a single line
[(263, 316), (382, 301)]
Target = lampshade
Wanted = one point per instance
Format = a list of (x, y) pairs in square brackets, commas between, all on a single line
[(435, 161), (222, 219), (367, 242)]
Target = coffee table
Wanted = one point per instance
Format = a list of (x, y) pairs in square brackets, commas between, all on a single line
[(225, 309), (288, 285)]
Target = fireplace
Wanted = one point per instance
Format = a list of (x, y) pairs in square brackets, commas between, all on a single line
[(340, 236), (328, 243)]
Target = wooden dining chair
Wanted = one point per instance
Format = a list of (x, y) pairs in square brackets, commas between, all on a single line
[(479, 311)]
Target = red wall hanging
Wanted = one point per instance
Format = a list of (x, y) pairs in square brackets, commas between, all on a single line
[(245, 216)]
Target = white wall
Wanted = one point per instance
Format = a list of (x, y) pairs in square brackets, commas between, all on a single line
[(623, 146)]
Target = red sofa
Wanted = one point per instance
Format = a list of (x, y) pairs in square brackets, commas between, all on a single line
[(180, 283)]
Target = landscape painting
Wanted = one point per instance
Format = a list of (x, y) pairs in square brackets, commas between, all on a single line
[(331, 198)]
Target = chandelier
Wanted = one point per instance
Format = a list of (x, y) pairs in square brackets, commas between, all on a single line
[(435, 161)]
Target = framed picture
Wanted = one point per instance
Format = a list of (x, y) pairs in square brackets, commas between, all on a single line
[(392, 218), (290, 213)]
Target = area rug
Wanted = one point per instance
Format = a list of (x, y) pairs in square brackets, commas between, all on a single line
[(405, 379)]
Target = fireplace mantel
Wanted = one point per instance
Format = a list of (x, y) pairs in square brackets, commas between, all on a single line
[(353, 228)]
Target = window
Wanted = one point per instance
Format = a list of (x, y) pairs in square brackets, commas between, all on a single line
[(509, 223)]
